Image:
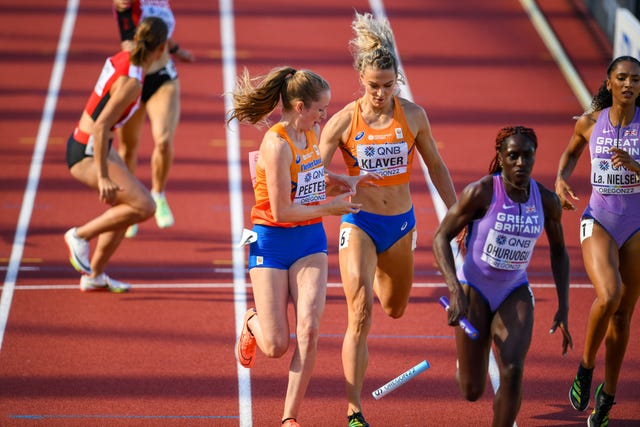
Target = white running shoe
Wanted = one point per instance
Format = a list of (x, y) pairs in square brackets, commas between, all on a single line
[(164, 217), (132, 230), (102, 283), (78, 251)]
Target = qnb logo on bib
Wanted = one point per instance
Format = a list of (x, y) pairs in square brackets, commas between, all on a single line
[(385, 159)]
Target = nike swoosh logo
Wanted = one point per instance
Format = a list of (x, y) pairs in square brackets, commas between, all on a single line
[(505, 206)]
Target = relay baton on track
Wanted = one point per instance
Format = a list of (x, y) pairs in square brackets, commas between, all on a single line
[(464, 323), (400, 379)]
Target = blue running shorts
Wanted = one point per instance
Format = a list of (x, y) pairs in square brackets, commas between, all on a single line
[(280, 247), (384, 230)]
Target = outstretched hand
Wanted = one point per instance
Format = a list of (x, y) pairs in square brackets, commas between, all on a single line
[(342, 204), (564, 192), (559, 322), (337, 184), (366, 180)]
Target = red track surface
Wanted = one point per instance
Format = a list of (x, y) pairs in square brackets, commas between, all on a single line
[(164, 356)]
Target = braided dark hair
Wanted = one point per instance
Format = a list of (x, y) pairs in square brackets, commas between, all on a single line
[(505, 133), (603, 99)]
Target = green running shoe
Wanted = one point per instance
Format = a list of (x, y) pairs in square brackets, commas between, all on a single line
[(357, 420), (600, 415), (581, 388), (164, 217)]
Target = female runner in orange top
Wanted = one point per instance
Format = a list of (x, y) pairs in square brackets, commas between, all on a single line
[(289, 258), (378, 133)]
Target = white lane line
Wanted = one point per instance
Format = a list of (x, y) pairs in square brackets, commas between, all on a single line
[(36, 163), (227, 38), (235, 286)]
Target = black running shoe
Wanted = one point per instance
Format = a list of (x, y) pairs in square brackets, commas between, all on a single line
[(600, 415), (580, 389), (357, 420)]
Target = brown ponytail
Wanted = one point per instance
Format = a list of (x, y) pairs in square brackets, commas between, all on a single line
[(150, 34), (255, 98)]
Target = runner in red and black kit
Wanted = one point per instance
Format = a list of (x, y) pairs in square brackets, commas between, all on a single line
[(160, 99), (114, 100)]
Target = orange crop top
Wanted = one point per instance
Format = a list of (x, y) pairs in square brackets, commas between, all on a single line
[(307, 181), (388, 152)]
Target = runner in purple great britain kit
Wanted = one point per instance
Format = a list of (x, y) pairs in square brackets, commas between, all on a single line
[(609, 226)]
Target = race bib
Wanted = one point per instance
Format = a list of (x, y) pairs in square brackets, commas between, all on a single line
[(586, 229), (311, 187), (384, 159), (606, 179), (507, 251)]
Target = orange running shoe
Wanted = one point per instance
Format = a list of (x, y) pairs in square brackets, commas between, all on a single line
[(246, 346), (290, 422)]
